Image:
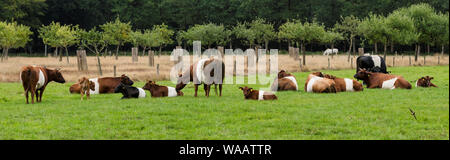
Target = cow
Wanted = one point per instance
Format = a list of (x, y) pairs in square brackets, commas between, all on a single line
[(85, 85), (285, 82), (250, 93), (345, 84), (381, 80), (129, 91), (372, 63), (161, 91), (203, 72), (318, 84), (34, 79), (330, 51), (103, 85), (425, 82)]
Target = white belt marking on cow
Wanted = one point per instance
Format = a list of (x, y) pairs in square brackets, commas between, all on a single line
[(416, 82), (41, 80), (199, 70), (389, 84), (97, 86), (141, 93), (376, 61), (348, 84), (309, 87), (172, 92), (292, 78), (260, 95)]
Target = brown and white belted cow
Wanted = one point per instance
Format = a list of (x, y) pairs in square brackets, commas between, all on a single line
[(381, 80), (318, 84), (161, 91), (345, 84), (205, 71), (284, 82), (250, 93), (425, 82), (34, 79), (103, 85)]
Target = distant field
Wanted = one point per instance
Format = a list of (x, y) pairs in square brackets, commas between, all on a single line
[(371, 114)]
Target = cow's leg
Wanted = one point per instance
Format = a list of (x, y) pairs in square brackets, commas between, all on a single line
[(82, 95), (196, 89), (208, 89), (88, 95), (37, 95), (41, 93), (205, 87), (33, 91), (215, 89), (220, 89), (26, 95)]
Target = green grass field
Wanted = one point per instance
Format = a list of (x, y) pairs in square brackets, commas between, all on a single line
[(371, 114)]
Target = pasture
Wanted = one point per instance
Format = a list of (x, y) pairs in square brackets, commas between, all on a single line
[(371, 114)]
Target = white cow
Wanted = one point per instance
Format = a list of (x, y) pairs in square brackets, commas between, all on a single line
[(331, 51)]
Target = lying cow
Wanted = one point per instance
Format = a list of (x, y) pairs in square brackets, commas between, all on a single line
[(250, 93), (318, 84), (330, 51), (103, 85), (372, 63), (425, 82), (381, 80), (203, 72), (345, 84), (35, 78), (285, 82), (161, 91), (129, 91)]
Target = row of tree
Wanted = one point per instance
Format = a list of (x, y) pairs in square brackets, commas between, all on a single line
[(416, 24)]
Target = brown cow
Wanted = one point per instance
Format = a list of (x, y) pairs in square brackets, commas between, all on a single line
[(318, 84), (198, 73), (103, 85), (285, 82), (161, 91), (36, 78), (345, 84), (425, 82), (381, 80), (250, 93), (86, 87)]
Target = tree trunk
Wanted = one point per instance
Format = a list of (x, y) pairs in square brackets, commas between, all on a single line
[(304, 53), (416, 58), (392, 47), (6, 53), (117, 52), (350, 49), (385, 49), (60, 55), (354, 47), (442, 51), (267, 45), (45, 50), (428, 49), (56, 52), (376, 48), (67, 55), (160, 47), (99, 64)]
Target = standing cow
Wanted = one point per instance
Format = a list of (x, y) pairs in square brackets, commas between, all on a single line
[(203, 72), (330, 51), (34, 79), (372, 63), (103, 85)]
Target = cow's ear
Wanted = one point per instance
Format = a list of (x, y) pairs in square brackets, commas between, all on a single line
[(431, 78), (241, 88), (250, 89)]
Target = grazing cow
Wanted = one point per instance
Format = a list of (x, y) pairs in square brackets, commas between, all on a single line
[(285, 82), (345, 84), (203, 72), (318, 84), (381, 80), (103, 85), (330, 51), (250, 93), (35, 78), (161, 91), (425, 82), (129, 91), (372, 63), (86, 87)]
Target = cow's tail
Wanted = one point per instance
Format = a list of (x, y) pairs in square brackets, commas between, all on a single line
[(25, 78)]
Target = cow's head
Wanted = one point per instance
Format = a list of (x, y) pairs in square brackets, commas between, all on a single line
[(91, 85), (247, 91), (149, 85), (180, 82), (126, 80), (357, 86), (329, 76), (362, 74), (58, 76), (425, 81), (120, 88), (318, 74)]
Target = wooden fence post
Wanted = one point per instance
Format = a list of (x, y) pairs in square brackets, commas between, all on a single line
[(424, 59), (300, 64), (329, 65), (82, 60), (361, 51), (157, 69), (409, 60), (291, 50), (151, 58), (351, 63), (296, 53), (439, 59), (115, 71), (134, 54)]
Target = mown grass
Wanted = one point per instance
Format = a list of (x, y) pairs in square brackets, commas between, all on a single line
[(371, 114)]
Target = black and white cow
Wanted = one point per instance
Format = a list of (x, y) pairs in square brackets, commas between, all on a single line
[(372, 63), (129, 91)]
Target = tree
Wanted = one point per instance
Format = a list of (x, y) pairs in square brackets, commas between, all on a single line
[(163, 35), (57, 35), (93, 40), (116, 33), (13, 35), (331, 37), (264, 31), (401, 29), (348, 27), (208, 34), (375, 30), (245, 34), (290, 32), (310, 33)]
